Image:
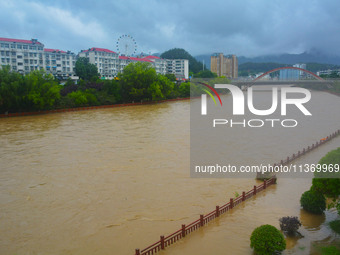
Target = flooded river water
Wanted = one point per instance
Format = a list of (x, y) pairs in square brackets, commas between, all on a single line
[(108, 181)]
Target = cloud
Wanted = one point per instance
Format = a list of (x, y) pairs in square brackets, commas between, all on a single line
[(243, 27)]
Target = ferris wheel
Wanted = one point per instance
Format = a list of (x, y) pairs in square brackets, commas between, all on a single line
[(126, 45)]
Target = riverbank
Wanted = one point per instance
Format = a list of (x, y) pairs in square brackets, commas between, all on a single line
[(18, 114)]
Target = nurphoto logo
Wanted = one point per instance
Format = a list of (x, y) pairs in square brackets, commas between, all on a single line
[(239, 105)]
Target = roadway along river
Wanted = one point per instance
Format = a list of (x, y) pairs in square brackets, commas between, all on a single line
[(111, 180)]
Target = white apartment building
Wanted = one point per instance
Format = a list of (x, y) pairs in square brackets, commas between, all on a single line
[(124, 61), (24, 56), (178, 67), (159, 64), (107, 61), (59, 63)]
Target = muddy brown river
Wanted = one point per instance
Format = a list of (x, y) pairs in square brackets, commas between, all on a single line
[(108, 181)]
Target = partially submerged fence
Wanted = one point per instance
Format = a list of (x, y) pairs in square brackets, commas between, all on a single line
[(308, 149), (166, 241)]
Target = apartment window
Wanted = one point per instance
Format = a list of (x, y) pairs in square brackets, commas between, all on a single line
[(25, 47), (31, 61), (14, 53), (64, 63), (31, 68), (3, 60), (25, 54), (14, 60), (19, 56), (40, 48), (54, 62), (68, 63), (13, 46), (7, 53), (14, 68), (27, 68), (26, 61), (19, 64), (6, 45), (19, 46), (2, 53), (47, 62), (68, 69), (40, 62), (35, 61)]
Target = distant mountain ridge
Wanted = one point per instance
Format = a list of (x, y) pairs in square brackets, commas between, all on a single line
[(313, 56)]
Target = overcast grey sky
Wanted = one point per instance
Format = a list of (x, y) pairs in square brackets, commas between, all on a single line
[(243, 27)]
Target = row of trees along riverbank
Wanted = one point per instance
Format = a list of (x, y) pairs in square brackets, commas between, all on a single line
[(40, 91)]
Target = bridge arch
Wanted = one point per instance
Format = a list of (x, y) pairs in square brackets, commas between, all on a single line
[(289, 67)]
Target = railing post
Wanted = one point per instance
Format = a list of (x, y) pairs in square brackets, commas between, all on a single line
[(217, 211), (264, 184), (183, 230), (137, 252), (243, 196), (231, 204), (254, 189), (162, 243), (201, 220)]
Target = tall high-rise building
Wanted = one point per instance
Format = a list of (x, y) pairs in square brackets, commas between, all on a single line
[(224, 65)]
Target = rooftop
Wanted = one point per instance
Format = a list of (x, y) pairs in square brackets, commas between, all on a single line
[(54, 50), (32, 41), (99, 49)]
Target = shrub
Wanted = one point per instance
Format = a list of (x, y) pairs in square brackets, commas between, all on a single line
[(335, 225), (290, 225), (313, 202), (267, 239), (330, 250)]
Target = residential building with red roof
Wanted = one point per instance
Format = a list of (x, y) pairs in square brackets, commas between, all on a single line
[(25, 56), (107, 61), (59, 63)]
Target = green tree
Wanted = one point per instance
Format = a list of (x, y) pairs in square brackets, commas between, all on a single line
[(11, 90), (176, 53), (171, 76), (85, 70), (330, 187), (42, 91), (267, 240), (313, 202), (136, 79), (184, 89), (205, 74)]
